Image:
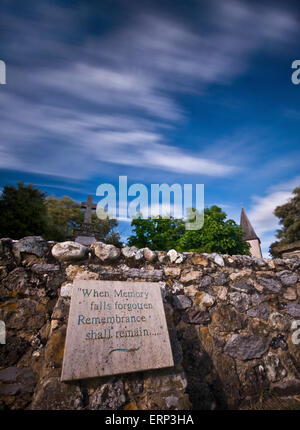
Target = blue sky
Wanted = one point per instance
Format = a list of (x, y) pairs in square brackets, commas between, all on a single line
[(159, 91)]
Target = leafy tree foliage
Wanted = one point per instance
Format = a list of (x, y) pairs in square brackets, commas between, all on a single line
[(289, 215), (273, 250), (105, 230), (25, 211), (22, 211), (289, 219), (65, 215), (217, 234), (157, 233)]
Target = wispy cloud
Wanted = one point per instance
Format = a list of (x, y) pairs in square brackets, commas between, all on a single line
[(261, 212), (109, 98)]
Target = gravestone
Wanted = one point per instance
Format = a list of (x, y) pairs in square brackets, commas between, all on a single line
[(115, 327), (85, 234)]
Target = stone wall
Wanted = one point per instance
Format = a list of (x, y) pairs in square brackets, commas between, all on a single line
[(289, 250), (229, 318)]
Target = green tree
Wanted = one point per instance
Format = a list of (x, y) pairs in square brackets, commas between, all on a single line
[(216, 235), (156, 233), (273, 250), (289, 219), (65, 215), (22, 211), (105, 230)]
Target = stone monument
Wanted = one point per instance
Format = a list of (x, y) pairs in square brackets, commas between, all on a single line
[(85, 233), (115, 327)]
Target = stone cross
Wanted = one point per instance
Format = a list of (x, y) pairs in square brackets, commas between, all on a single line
[(88, 206)]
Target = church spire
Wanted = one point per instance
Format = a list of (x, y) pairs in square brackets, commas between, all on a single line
[(247, 227), (250, 236)]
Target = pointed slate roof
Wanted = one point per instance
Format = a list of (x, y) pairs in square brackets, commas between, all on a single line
[(247, 227)]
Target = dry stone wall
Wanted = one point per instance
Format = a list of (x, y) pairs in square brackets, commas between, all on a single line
[(231, 321)]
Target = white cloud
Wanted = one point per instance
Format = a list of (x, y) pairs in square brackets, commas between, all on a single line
[(116, 139), (261, 212), (109, 101), (266, 240), (111, 88)]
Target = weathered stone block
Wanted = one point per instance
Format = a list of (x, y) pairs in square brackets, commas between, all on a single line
[(204, 299), (293, 309), (196, 316), (44, 268), (31, 245), (77, 272), (240, 301), (199, 259), (106, 252), (172, 271), (54, 395), (182, 302), (259, 311), (240, 274), (61, 309), (191, 290), (150, 255), (27, 315), (68, 251), (151, 275), (274, 369), (270, 284), (287, 278), (132, 252), (246, 347), (290, 294), (206, 281), (190, 276), (221, 278), (227, 319), (243, 287), (109, 396)]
